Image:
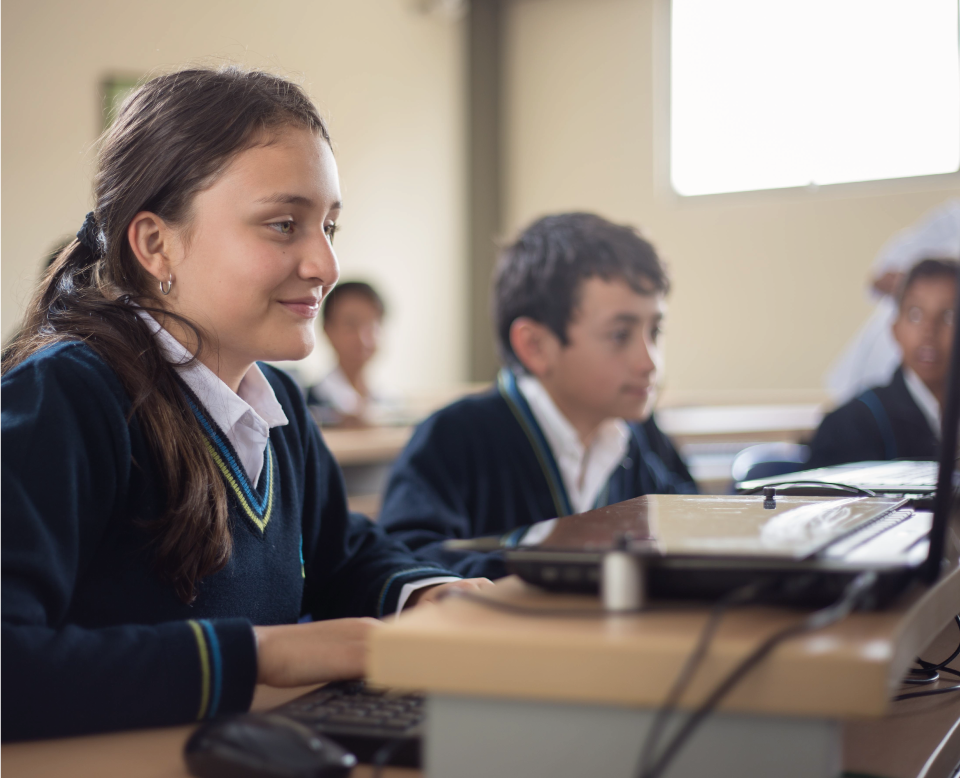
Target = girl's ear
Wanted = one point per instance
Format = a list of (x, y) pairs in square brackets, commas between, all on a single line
[(155, 244), (535, 345)]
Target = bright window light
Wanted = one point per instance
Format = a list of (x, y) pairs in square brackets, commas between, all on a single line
[(775, 93)]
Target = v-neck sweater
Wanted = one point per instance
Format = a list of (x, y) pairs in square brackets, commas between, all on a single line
[(93, 639), (482, 466)]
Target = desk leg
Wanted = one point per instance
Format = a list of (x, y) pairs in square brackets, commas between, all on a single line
[(471, 737)]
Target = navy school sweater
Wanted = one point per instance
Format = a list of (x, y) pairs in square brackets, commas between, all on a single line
[(92, 639), (482, 466), (882, 423)]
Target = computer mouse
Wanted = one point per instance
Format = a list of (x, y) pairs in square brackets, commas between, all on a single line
[(264, 745)]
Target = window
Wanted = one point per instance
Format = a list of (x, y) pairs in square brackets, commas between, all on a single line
[(774, 93)]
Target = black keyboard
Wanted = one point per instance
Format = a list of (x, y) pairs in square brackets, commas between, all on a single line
[(364, 719)]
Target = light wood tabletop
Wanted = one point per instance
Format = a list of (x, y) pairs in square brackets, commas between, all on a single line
[(366, 445), (751, 423), (912, 741), (849, 670)]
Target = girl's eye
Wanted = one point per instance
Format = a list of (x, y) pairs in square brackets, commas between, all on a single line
[(621, 336), (331, 230), (284, 228)]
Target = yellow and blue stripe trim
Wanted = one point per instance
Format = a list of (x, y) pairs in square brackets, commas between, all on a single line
[(507, 386), (211, 668), (257, 507)]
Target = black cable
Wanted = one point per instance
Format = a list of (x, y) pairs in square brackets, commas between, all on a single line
[(829, 487), (851, 596), (929, 672), (928, 693), (942, 665), (925, 676), (742, 596)]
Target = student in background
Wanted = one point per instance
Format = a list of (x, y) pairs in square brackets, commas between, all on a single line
[(169, 508), (902, 419), (352, 318), (579, 304), (873, 355)]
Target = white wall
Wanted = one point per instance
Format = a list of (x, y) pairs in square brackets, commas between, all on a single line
[(388, 79), (768, 287)]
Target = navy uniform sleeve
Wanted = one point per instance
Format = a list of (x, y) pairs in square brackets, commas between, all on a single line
[(428, 498), (670, 472), (65, 470), (849, 434), (351, 567)]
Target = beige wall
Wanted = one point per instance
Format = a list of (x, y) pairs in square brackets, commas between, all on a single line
[(768, 287), (388, 78)]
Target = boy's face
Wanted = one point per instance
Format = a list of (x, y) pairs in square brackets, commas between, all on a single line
[(611, 363), (353, 330), (924, 328)]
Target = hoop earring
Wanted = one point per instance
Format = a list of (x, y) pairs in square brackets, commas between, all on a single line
[(169, 284)]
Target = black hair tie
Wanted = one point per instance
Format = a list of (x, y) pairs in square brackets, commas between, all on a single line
[(89, 236)]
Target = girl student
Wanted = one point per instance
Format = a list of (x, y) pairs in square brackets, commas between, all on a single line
[(169, 508)]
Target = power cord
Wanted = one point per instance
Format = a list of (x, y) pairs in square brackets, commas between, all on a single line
[(929, 672), (824, 488), (852, 594), (742, 596)]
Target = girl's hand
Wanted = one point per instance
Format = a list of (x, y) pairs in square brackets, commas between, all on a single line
[(438, 592), (301, 654)]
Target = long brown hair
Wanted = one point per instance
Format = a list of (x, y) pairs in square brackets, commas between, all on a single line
[(172, 138)]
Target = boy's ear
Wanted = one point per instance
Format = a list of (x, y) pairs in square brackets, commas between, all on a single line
[(535, 345), (155, 244)]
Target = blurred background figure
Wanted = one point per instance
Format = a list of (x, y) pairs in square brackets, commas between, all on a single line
[(873, 355), (352, 320), (901, 419)]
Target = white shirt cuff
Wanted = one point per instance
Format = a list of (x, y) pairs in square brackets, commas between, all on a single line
[(411, 587)]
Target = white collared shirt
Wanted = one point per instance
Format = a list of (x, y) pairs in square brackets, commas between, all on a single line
[(585, 471), (245, 416), (343, 397), (924, 398)]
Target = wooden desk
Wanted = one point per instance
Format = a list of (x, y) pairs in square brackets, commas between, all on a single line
[(365, 456), (752, 423), (151, 753), (918, 738), (710, 437), (896, 746), (366, 445), (502, 670)]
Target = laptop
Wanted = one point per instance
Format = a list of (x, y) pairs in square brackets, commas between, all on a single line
[(896, 477), (704, 546)]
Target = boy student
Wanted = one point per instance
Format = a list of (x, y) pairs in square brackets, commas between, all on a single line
[(352, 318), (579, 303), (902, 419)]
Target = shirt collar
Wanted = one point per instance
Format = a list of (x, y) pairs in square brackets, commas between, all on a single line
[(584, 471), (342, 395), (924, 399), (254, 395)]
